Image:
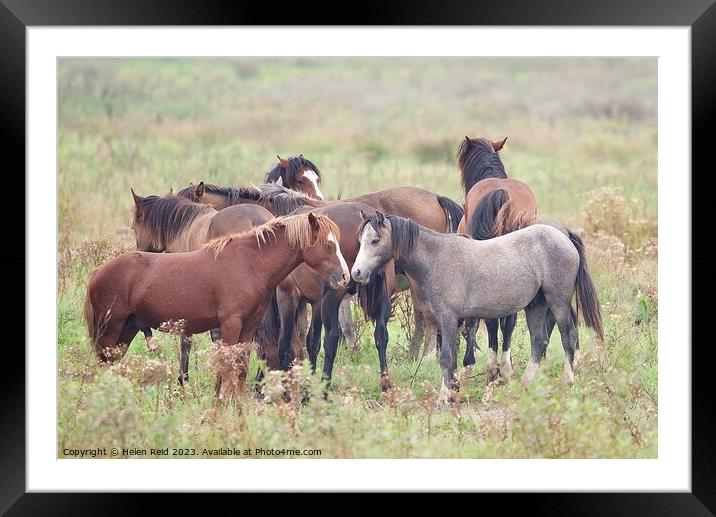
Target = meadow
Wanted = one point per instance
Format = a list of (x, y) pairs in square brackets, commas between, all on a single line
[(581, 132)]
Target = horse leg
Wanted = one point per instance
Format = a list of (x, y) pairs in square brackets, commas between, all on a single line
[(115, 340), (470, 332), (345, 318), (418, 334), (287, 305), (381, 340), (313, 339), (507, 324), (448, 359), (186, 342), (300, 331), (551, 322), (149, 339), (329, 314), (536, 314), (215, 335), (492, 370), (230, 332), (568, 332), (431, 337)]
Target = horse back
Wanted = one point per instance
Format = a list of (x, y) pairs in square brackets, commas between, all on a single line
[(521, 196), (414, 203)]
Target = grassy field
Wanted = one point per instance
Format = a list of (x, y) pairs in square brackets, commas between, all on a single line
[(582, 134)]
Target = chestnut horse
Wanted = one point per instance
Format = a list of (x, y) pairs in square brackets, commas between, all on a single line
[(226, 284), (494, 205), (176, 224)]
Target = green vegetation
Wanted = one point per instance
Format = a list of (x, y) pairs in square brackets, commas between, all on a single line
[(582, 134)]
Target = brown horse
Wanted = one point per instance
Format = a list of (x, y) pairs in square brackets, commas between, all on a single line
[(226, 284), (296, 172), (494, 205), (176, 224)]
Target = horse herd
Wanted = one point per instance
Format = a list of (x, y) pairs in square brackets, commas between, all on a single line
[(244, 263)]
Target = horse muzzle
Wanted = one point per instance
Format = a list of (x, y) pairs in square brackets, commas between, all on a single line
[(335, 283), (358, 276)]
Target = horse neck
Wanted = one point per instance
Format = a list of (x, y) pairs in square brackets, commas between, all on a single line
[(193, 236), (418, 262), (278, 259)]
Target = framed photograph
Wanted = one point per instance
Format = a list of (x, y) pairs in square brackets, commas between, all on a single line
[(396, 205)]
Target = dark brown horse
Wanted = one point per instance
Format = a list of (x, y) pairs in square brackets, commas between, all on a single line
[(226, 284), (494, 205)]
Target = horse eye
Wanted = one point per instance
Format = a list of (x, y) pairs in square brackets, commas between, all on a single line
[(374, 241)]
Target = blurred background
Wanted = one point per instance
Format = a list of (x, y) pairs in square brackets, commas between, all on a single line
[(574, 125)]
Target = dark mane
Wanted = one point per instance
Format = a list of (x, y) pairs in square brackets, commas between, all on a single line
[(168, 216), (290, 174), (234, 195), (282, 201), (478, 160), (403, 233)]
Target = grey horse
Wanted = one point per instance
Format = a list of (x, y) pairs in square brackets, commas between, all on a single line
[(535, 269)]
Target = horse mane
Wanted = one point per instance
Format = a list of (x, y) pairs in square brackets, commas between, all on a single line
[(282, 201), (298, 232), (234, 195), (168, 216), (290, 174), (477, 161), (403, 235)]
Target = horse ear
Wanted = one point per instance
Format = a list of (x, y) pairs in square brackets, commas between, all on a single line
[(467, 138), (379, 217), (171, 192), (199, 189), (283, 162), (137, 199), (279, 181), (499, 145), (313, 222), (363, 215)]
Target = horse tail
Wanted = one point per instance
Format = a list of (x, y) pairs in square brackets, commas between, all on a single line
[(453, 213), (370, 294), (96, 322), (586, 294), (483, 223), (88, 313)]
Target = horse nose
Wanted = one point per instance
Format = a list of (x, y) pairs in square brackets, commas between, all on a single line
[(346, 278), (355, 273)]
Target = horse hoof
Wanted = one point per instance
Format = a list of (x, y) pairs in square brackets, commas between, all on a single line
[(578, 359), (506, 371), (385, 384), (492, 373), (443, 402)]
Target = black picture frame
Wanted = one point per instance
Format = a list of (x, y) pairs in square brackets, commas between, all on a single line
[(700, 15)]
